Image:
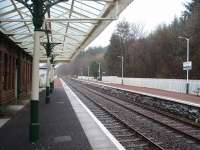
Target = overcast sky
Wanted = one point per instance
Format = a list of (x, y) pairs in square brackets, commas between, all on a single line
[(149, 13)]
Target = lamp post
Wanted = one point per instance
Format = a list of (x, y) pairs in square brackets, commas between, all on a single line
[(187, 69), (122, 65), (81, 71), (99, 71), (88, 72)]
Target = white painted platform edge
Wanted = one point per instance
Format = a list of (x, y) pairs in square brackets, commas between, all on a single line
[(147, 94), (3, 121), (105, 131)]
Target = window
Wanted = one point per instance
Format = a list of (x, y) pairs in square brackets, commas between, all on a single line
[(1, 76), (13, 73), (10, 73), (5, 74)]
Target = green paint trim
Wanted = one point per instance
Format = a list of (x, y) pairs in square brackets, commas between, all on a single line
[(34, 124), (47, 98), (34, 130), (47, 91), (34, 111), (51, 87)]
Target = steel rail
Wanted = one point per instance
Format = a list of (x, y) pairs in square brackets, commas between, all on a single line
[(121, 121), (168, 126)]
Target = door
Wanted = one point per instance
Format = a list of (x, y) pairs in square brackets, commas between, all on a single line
[(16, 78)]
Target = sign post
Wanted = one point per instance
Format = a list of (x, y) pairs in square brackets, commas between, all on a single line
[(187, 66)]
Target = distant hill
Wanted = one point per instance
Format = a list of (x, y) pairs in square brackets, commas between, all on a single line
[(96, 50), (82, 61)]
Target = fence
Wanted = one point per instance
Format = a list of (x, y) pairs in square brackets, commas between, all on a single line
[(176, 85)]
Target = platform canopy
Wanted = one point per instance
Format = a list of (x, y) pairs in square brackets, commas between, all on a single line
[(74, 24)]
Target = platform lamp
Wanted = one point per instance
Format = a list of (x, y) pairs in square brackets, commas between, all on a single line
[(187, 67), (37, 8), (88, 72)]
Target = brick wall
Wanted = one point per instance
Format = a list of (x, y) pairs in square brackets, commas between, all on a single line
[(13, 58)]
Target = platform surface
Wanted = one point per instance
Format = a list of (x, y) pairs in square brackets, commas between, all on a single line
[(99, 137), (192, 100), (59, 127)]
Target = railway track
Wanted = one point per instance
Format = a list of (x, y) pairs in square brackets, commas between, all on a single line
[(188, 129), (137, 128), (130, 138)]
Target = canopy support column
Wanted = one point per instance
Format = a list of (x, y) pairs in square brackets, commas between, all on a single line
[(47, 99), (34, 110), (37, 8), (52, 79), (52, 73)]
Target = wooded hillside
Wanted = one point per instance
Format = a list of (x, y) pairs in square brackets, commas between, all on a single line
[(158, 55), (161, 53)]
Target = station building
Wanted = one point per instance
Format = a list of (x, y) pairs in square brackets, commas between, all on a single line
[(15, 72)]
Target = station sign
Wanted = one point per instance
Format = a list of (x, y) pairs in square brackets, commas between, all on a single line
[(187, 65)]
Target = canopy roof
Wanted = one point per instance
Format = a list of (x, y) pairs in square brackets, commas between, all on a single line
[(74, 24)]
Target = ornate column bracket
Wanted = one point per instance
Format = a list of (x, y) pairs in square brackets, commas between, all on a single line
[(49, 47), (52, 60), (38, 8)]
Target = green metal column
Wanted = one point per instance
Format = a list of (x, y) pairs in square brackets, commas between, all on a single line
[(50, 60), (52, 79), (53, 71), (47, 99)]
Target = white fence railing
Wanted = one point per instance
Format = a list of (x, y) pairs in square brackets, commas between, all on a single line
[(176, 85)]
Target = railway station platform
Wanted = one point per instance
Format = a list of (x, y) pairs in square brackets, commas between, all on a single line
[(192, 100), (65, 124)]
